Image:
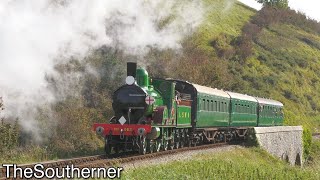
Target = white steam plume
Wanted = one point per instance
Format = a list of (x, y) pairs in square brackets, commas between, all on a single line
[(33, 33)]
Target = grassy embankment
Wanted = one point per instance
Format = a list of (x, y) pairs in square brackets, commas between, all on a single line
[(241, 163)]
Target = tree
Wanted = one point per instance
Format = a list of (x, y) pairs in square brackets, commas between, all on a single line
[(274, 3)]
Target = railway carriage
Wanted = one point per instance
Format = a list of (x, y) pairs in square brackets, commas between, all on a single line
[(243, 111), (270, 112), (160, 114)]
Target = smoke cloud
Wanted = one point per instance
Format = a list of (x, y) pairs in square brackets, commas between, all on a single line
[(35, 35)]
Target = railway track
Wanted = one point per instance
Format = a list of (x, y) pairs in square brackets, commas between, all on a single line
[(103, 161)]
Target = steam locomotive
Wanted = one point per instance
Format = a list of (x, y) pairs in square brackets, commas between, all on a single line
[(153, 114)]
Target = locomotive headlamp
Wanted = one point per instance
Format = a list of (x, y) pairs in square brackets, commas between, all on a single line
[(99, 130), (130, 80)]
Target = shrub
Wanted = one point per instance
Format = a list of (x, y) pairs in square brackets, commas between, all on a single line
[(307, 140), (251, 30), (289, 95), (244, 48), (268, 15), (73, 134), (9, 133), (222, 46)]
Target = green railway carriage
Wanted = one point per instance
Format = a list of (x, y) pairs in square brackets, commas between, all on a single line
[(212, 107), (270, 112), (243, 110)]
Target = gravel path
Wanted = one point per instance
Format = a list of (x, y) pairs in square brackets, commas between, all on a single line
[(187, 155)]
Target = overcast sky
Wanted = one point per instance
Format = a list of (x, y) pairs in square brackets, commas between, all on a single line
[(309, 7)]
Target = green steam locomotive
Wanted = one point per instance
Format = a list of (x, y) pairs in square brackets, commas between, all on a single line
[(152, 114)]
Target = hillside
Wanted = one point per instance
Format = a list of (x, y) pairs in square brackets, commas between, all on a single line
[(257, 53)]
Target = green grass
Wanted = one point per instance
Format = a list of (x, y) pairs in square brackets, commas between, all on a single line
[(33, 154), (241, 163), (222, 16), (25, 155)]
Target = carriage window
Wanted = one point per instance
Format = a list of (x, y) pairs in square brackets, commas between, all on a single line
[(222, 107), (215, 106), (270, 111), (203, 104), (211, 106), (226, 107), (208, 105), (266, 111)]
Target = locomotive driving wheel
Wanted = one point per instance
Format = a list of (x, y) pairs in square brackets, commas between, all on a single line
[(171, 140), (150, 146), (177, 140), (165, 145), (182, 138), (165, 142), (157, 145), (171, 144), (142, 145)]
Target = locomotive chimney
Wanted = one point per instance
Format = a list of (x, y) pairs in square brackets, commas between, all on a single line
[(131, 69)]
